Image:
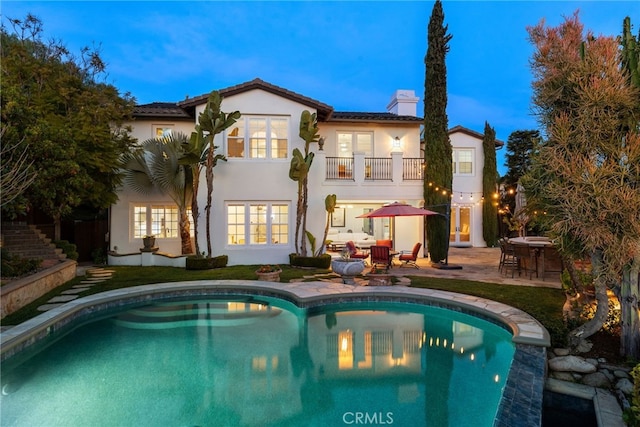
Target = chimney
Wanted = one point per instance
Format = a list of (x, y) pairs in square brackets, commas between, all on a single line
[(403, 103)]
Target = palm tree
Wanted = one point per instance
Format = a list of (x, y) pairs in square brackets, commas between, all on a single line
[(157, 165)]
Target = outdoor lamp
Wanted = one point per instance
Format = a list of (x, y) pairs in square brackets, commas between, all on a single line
[(396, 142)]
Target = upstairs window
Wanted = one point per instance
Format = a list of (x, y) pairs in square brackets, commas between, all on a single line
[(355, 142), (162, 131), (463, 161), (254, 137)]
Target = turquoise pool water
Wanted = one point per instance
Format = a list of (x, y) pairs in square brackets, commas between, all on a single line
[(258, 361)]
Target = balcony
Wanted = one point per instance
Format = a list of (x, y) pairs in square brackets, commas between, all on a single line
[(360, 168)]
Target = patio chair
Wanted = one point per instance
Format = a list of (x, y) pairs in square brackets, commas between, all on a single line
[(380, 255), (552, 261), (410, 258), (386, 242), (355, 253), (508, 260)]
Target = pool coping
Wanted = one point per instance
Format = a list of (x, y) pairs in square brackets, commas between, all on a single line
[(522, 397)]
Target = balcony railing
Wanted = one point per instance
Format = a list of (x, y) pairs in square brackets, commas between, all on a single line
[(377, 169), (340, 168), (374, 169), (412, 169)]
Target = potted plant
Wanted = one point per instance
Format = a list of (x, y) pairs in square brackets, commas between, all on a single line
[(269, 273), (346, 267), (149, 241)]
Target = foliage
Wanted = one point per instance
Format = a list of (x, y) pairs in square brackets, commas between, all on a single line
[(585, 176), (16, 170), (299, 172), (200, 263), (612, 322), (519, 149), (157, 166), (69, 249), (330, 206), (55, 103), (631, 415), (15, 266), (489, 188), (98, 256), (211, 121), (437, 152), (322, 261)]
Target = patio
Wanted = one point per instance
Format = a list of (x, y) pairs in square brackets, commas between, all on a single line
[(479, 264)]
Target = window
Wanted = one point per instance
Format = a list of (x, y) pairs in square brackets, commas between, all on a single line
[(258, 138), (257, 223), (463, 161), (160, 220), (161, 131), (350, 142)]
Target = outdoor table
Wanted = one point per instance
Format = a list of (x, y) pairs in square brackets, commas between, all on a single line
[(537, 243)]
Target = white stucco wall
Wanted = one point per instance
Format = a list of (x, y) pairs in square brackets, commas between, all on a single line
[(470, 185), (245, 180)]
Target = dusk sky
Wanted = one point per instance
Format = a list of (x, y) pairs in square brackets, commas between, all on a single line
[(350, 55)]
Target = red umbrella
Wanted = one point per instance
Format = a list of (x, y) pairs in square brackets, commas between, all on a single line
[(397, 209)]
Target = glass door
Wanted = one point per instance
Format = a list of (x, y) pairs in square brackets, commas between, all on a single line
[(460, 232)]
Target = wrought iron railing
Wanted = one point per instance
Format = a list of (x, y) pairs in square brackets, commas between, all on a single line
[(412, 169), (340, 168), (377, 169)]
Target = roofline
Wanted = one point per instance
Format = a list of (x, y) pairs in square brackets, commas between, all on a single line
[(324, 111), (473, 133)]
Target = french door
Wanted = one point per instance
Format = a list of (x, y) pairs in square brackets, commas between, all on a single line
[(460, 232)]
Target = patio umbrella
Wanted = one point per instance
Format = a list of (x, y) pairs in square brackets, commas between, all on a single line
[(395, 209)]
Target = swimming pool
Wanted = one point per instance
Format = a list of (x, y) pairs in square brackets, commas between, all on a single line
[(251, 359)]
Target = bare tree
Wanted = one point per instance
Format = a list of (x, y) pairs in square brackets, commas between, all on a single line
[(16, 173)]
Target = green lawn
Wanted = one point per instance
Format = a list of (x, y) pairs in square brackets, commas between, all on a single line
[(544, 304)]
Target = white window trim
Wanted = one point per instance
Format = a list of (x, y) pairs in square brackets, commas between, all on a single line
[(245, 120), (456, 161), (149, 207), (247, 224), (353, 134)]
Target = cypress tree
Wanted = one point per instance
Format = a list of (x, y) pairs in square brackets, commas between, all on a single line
[(437, 151), (489, 181)]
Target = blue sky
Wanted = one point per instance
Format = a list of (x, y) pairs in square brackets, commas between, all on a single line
[(350, 55)]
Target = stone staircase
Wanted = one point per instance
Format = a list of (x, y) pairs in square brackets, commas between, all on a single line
[(26, 241)]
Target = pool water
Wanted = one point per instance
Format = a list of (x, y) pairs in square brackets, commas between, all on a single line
[(257, 361)]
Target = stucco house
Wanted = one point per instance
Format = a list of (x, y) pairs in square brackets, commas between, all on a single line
[(367, 160)]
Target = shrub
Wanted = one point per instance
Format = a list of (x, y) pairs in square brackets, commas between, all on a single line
[(69, 249), (322, 261), (15, 266), (200, 263), (632, 414)]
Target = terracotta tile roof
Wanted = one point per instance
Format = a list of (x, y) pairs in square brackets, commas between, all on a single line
[(169, 110), (473, 133), (343, 116), (323, 109)]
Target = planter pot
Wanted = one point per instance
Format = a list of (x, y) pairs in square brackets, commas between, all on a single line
[(348, 270), (149, 242), (273, 276)]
